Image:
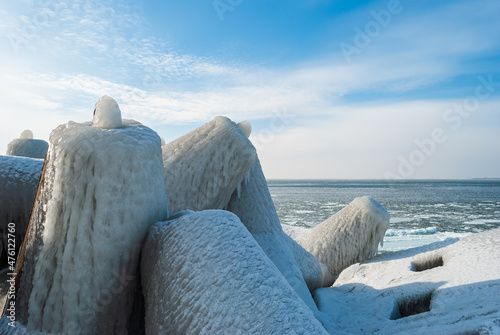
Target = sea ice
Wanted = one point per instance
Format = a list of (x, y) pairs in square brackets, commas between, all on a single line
[(101, 189), (19, 181), (203, 273), (26, 146), (415, 231), (350, 236), (205, 166)]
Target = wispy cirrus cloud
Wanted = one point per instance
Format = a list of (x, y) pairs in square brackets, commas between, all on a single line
[(80, 51), (105, 48)]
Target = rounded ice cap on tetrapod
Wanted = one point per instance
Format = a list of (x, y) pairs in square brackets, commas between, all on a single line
[(246, 127), (107, 114), (26, 135)]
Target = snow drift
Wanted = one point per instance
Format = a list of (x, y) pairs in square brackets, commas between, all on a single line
[(19, 181), (202, 272), (26, 146), (100, 191), (350, 236), (205, 166), (449, 287), (252, 203)]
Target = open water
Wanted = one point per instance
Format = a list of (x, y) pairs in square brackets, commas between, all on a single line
[(422, 211)]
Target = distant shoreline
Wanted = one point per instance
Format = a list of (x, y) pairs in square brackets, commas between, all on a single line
[(383, 179)]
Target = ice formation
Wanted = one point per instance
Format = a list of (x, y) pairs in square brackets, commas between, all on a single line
[(26, 146), (415, 231), (205, 166), (107, 114), (350, 236), (446, 287), (26, 135), (100, 191), (246, 127), (254, 206), (19, 181), (103, 186), (203, 273)]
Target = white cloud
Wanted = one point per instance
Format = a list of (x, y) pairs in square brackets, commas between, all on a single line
[(361, 141), (90, 49)]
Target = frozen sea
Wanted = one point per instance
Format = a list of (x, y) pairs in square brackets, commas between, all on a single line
[(422, 211)]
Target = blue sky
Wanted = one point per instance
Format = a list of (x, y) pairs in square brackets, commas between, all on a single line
[(333, 89)]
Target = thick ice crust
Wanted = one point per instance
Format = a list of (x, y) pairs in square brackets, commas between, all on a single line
[(101, 190), (203, 273), (350, 236), (450, 287), (27, 148), (19, 181), (205, 166), (254, 206)]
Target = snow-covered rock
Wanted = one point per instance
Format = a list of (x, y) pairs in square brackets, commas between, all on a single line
[(350, 236), (18, 184), (203, 273), (446, 287), (252, 203), (26, 146), (205, 166), (101, 189)]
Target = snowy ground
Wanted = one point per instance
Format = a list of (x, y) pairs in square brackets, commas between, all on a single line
[(450, 287)]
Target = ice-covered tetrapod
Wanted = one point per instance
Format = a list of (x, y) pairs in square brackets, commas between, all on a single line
[(252, 203), (205, 166), (350, 236), (203, 273), (18, 184), (26, 146), (101, 190)]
